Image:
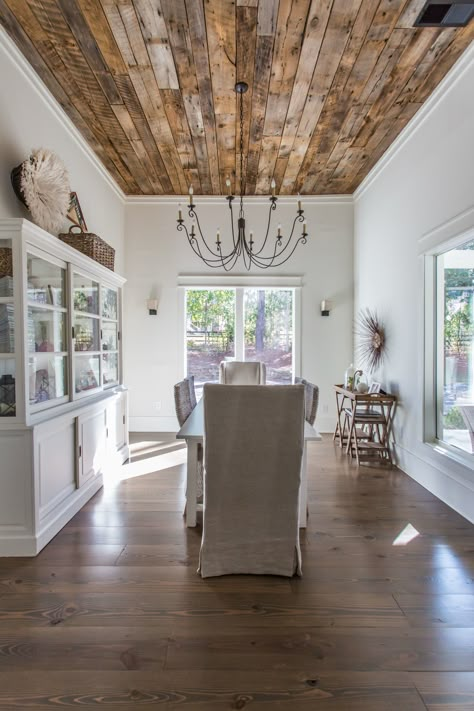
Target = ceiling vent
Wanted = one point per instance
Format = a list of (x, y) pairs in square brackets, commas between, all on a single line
[(446, 14)]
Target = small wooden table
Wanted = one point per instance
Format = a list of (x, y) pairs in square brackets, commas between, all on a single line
[(383, 404), (193, 432)]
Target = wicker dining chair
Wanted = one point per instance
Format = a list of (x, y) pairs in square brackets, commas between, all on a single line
[(192, 390), (182, 401), (311, 399), (184, 397)]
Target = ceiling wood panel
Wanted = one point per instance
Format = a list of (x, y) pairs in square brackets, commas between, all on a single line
[(150, 85)]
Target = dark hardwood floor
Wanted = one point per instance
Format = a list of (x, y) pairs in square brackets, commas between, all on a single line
[(112, 613)]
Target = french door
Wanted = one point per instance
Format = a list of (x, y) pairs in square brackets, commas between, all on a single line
[(255, 323)]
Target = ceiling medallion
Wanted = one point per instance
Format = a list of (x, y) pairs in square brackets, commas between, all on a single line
[(264, 255)]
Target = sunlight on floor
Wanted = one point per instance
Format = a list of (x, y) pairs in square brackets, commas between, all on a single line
[(145, 466), (406, 535)]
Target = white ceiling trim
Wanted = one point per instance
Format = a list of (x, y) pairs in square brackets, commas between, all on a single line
[(249, 199), (11, 52)]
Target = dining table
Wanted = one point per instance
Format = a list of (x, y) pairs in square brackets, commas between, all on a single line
[(192, 432)]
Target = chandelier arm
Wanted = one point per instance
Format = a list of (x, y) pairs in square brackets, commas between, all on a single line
[(246, 253), (192, 213), (298, 218), (264, 262), (271, 208), (263, 259), (194, 244), (232, 223), (301, 239)]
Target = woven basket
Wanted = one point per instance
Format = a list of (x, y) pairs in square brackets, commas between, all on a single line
[(91, 245), (6, 264)]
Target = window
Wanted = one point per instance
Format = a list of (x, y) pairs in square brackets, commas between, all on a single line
[(454, 346), (255, 322), (210, 332)]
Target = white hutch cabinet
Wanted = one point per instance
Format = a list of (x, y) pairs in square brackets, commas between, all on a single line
[(63, 406)]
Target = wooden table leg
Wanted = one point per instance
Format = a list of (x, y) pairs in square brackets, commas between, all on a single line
[(191, 482), (303, 495), (339, 431)]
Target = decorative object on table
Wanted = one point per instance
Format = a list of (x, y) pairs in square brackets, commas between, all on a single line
[(42, 184), (325, 307), (361, 385), (152, 306), (74, 214), (372, 342), (349, 377), (91, 245), (357, 375), (374, 388), (280, 247)]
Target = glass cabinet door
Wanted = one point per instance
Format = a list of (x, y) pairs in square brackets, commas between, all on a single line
[(7, 332), (86, 333), (110, 336), (47, 334)]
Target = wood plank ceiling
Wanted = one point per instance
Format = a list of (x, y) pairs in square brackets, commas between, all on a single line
[(150, 85)]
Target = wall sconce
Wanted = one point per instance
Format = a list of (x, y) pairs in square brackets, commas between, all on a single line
[(152, 306), (325, 307)]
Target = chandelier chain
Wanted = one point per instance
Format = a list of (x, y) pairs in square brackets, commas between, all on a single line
[(242, 183)]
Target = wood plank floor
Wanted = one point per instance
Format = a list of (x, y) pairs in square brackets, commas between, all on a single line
[(112, 613)]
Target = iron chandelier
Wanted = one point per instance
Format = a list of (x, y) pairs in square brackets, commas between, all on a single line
[(227, 258)]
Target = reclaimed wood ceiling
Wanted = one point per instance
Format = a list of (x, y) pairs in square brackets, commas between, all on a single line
[(150, 85)]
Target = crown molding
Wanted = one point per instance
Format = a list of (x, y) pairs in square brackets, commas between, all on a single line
[(14, 55), (456, 72), (249, 199)]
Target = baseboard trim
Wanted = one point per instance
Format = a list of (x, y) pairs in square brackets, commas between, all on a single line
[(29, 545), (170, 424), (153, 424)]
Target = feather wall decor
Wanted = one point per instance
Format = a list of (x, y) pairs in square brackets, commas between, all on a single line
[(44, 185)]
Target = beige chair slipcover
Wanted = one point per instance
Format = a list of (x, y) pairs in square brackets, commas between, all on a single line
[(234, 372), (254, 438)]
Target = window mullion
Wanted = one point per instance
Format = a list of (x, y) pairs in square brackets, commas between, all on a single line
[(239, 324)]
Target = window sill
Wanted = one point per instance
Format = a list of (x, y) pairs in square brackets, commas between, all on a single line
[(452, 454)]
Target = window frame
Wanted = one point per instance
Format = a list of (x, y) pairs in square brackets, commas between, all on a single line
[(448, 236), (239, 284)]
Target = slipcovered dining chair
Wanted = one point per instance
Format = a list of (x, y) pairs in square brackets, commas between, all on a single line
[(311, 399), (253, 444), (234, 372)]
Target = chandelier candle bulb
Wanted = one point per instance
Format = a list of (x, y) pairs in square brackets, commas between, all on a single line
[(180, 214), (191, 191), (227, 182), (273, 186), (299, 204), (279, 230)]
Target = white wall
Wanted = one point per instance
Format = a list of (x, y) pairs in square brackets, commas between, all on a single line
[(426, 179), (31, 118), (156, 254)]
